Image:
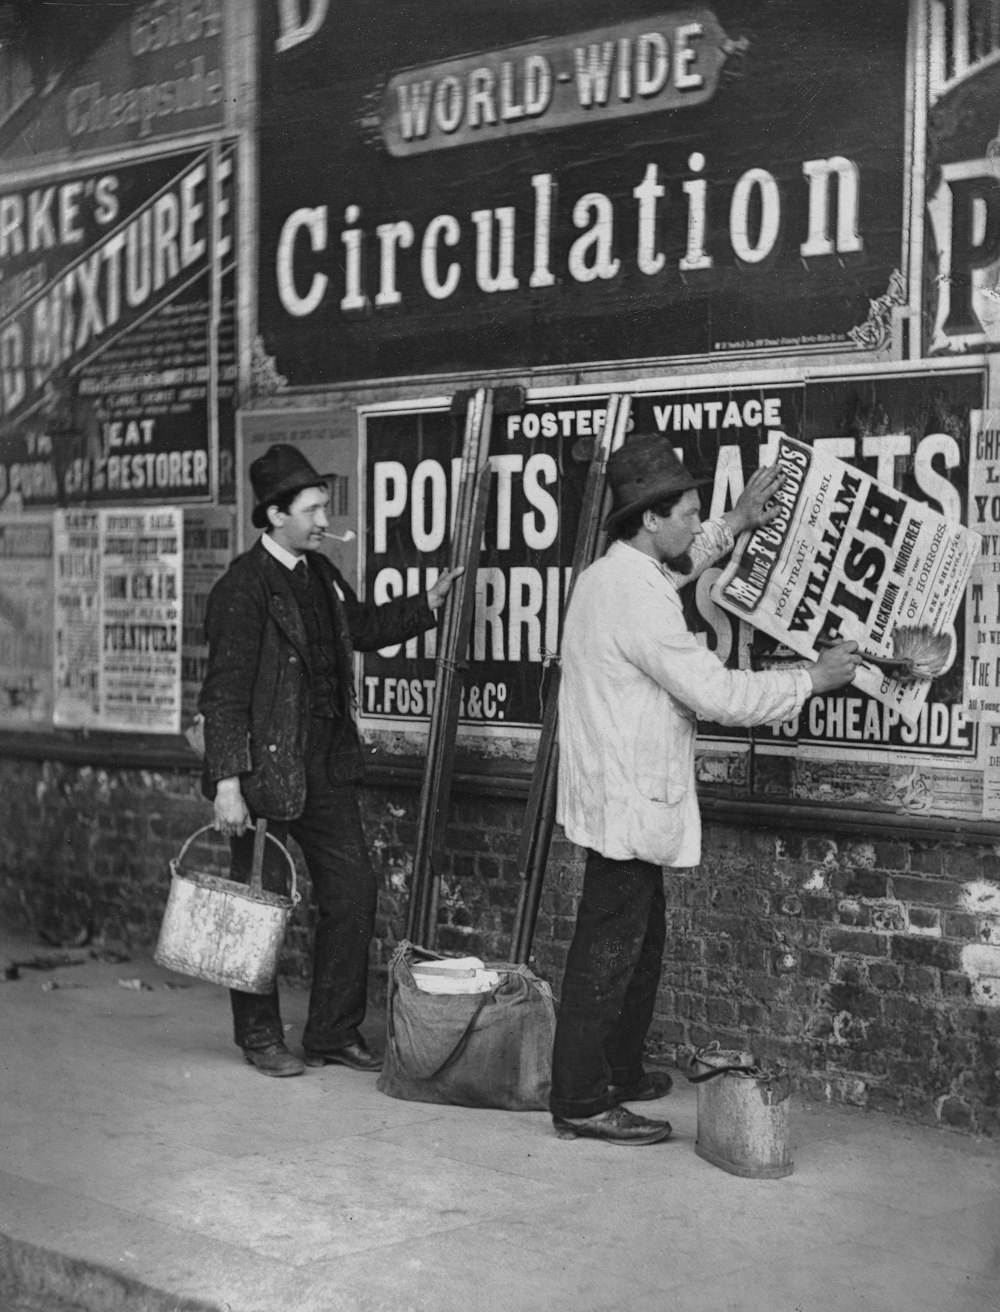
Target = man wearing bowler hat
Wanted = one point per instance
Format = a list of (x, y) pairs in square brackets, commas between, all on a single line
[(634, 682), (280, 743)]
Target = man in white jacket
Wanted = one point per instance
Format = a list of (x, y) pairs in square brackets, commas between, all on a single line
[(634, 682)]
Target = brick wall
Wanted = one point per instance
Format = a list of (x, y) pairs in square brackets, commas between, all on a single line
[(872, 968)]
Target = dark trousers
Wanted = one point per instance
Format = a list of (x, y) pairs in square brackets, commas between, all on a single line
[(332, 840), (609, 988)]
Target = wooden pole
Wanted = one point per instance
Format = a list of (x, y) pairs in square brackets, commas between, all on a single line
[(463, 632), (536, 835), (453, 640)]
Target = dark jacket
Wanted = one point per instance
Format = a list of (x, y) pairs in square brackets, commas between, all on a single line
[(255, 698)]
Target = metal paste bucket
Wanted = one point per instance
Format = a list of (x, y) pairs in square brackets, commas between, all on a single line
[(223, 931), (743, 1114)]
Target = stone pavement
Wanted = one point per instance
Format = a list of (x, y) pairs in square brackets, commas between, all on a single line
[(139, 1148)]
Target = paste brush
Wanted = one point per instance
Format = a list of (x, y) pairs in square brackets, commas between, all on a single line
[(917, 653)]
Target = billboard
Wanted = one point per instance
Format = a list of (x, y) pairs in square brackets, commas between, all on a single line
[(547, 184), (105, 333), (80, 79), (918, 435), (413, 463)]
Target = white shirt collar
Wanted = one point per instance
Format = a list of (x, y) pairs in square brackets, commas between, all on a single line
[(619, 545), (280, 553)]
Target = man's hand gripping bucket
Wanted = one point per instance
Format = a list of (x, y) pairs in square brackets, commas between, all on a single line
[(743, 1121), (224, 931)]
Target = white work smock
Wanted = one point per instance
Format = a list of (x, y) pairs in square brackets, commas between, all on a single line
[(634, 681)]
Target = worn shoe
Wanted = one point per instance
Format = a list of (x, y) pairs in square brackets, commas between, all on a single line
[(652, 1085), (618, 1125), (274, 1060), (356, 1055)]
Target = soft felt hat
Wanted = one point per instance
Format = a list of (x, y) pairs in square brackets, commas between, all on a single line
[(280, 470), (643, 472)]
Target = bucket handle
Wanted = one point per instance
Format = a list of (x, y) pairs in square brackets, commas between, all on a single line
[(736, 1069), (260, 833)]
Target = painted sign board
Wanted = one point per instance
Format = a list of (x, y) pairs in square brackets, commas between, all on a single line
[(105, 310), (618, 71), (134, 74), (962, 250), (547, 184)]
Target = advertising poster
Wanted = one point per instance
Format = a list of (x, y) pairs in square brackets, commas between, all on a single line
[(982, 616), (554, 184), (539, 461), (209, 534), (909, 437), (77, 618), (141, 609), (962, 247), (848, 557), (105, 310), (26, 622), (118, 619), (82, 78)]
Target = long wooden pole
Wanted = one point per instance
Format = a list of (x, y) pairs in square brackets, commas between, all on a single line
[(455, 687), (444, 657), (453, 640), (536, 836)]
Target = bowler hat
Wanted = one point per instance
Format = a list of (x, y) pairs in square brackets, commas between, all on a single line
[(643, 472), (280, 470)]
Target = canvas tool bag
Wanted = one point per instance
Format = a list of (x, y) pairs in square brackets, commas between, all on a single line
[(488, 1049)]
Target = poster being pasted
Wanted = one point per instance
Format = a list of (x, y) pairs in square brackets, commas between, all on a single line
[(26, 622), (848, 557)]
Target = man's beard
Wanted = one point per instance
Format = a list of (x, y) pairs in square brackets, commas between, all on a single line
[(682, 564)]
